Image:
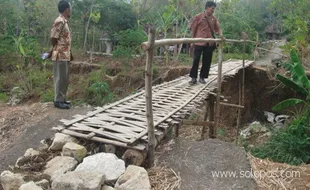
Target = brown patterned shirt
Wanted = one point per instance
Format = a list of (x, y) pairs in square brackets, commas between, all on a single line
[(200, 27), (61, 32)]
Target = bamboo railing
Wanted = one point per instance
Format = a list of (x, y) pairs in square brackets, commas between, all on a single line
[(150, 45)]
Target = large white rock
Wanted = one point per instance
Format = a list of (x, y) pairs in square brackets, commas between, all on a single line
[(59, 166), (107, 188), (60, 140), (30, 186), (105, 163), (134, 178), (44, 183), (74, 150), (78, 181), (11, 181)]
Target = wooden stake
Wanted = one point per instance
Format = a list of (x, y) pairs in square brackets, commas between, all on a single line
[(219, 87), (241, 92), (148, 97), (212, 132)]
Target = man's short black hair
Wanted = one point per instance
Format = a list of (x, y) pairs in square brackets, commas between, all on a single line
[(210, 4), (63, 5)]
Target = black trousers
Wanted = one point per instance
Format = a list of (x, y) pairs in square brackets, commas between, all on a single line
[(207, 53)]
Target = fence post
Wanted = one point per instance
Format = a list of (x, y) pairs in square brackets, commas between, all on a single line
[(148, 97), (241, 91), (219, 86)]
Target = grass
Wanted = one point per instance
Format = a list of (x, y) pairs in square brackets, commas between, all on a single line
[(3, 97), (290, 145), (227, 56)]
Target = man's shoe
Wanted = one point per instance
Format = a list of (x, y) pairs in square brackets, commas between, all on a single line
[(202, 81), (61, 105), (193, 81), (67, 102)]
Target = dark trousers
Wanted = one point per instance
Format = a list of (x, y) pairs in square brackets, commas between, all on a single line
[(61, 80), (207, 53)]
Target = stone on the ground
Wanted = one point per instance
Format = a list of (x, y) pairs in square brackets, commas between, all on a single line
[(107, 188), (11, 181), (263, 129), (44, 183), (74, 150), (15, 96), (256, 127), (78, 181), (246, 133), (108, 148), (59, 166), (30, 186), (33, 163), (279, 126), (134, 178), (43, 146), (105, 163), (269, 134), (60, 140), (281, 118), (31, 152), (270, 116)]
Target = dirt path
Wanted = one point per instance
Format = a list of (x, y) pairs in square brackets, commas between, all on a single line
[(199, 163), (23, 127), (269, 57)]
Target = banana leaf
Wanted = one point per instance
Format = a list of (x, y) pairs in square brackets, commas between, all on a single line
[(291, 84), (287, 103), (298, 72), (294, 57)]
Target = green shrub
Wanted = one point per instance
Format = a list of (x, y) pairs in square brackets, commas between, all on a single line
[(122, 52), (3, 97), (290, 145), (185, 59), (129, 42), (47, 95), (131, 38), (99, 94)]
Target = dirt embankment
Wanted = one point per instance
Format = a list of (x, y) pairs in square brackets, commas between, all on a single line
[(262, 92)]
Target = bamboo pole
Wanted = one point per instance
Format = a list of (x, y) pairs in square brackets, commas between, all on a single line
[(148, 98), (163, 42), (233, 105), (241, 92), (212, 133), (219, 87)]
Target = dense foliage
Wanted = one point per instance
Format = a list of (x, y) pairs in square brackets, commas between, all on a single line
[(25, 27), (292, 144)]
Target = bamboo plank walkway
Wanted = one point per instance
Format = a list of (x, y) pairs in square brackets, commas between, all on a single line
[(124, 123)]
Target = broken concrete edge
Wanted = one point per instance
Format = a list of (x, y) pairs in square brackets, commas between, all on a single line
[(61, 162)]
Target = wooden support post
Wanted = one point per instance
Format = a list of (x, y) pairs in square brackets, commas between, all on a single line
[(203, 130), (232, 105), (134, 157), (212, 132), (148, 98), (219, 87), (176, 128), (241, 92)]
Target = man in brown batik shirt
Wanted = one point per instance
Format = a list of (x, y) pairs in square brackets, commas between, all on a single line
[(204, 25), (61, 54)]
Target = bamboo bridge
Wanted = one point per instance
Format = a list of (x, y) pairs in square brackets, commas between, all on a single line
[(139, 122)]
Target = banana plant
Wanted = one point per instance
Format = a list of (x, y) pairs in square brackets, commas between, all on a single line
[(298, 82)]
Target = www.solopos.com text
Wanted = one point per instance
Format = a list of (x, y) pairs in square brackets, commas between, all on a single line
[(256, 174)]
